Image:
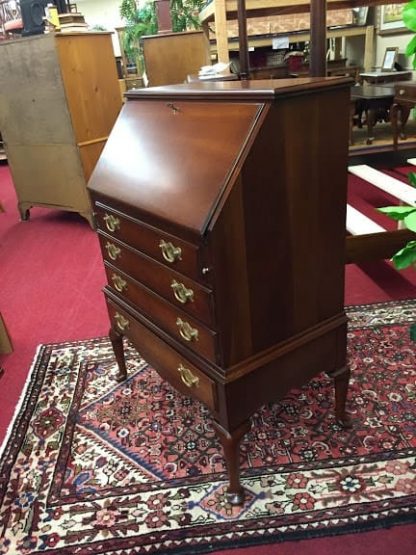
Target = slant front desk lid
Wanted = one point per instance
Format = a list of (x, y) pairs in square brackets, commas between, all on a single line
[(175, 152)]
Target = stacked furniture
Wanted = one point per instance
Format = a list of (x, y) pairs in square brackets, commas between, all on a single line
[(223, 239), (59, 98)]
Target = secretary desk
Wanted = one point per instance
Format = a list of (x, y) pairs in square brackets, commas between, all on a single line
[(220, 210)]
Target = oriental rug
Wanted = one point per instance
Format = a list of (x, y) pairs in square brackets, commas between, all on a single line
[(92, 467)]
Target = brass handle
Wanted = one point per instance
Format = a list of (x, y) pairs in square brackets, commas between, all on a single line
[(112, 223), (189, 379), (170, 252), (186, 331), (182, 294), (121, 322), (113, 250), (402, 91), (119, 283)]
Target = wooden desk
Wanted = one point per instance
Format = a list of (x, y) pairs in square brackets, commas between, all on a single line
[(206, 233), (377, 77), (371, 100)]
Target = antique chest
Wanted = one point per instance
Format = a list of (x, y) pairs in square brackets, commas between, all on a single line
[(220, 211)]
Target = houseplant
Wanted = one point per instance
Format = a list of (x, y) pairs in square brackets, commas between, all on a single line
[(140, 20)]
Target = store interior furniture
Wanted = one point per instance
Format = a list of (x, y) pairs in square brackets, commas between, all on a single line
[(59, 98)]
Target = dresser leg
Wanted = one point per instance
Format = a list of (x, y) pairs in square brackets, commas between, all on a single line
[(117, 343), (231, 444), (341, 380)]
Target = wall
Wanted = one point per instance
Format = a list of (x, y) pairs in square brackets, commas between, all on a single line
[(105, 13)]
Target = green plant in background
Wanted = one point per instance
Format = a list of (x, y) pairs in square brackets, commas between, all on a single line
[(406, 256), (409, 20), (140, 20)]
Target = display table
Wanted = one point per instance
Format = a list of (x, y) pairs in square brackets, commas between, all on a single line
[(372, 100), (377, 77), (404, 100)]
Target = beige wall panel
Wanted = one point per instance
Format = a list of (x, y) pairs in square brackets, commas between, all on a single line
[(32, 100), (90, 79), (171, 58)]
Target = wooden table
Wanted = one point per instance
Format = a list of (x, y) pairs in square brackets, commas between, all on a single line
[(372, 100), (377, 77), (404, 100)]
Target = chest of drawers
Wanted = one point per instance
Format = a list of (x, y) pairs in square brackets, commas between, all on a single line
[(220, 211)]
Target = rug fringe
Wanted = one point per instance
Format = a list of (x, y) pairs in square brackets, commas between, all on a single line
[(21, 400)]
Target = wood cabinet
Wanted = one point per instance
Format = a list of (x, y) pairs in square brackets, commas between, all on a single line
[(221, 219), (59, 98), (170, 57)]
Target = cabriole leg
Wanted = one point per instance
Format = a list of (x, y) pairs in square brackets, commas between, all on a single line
[(341, 380), (117, 343), (231, 444)]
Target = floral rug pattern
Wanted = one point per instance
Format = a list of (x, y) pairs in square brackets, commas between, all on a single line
[(93, 466)]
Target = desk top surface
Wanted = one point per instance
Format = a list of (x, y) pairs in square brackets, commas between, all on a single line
[(370, 92)]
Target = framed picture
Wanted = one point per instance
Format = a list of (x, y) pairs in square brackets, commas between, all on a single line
[(390, 58), (390, 19)]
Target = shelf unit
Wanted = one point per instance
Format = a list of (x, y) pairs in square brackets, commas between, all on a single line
[(220, 11)]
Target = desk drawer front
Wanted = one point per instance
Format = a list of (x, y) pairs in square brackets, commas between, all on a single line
[(179, 255), (174, 321), (405, 93), (159, 279), (172, 366)]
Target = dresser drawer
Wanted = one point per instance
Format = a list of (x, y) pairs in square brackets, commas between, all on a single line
[(174, 321), (175, 253), (159, 278), (172, 366), (405, 93)]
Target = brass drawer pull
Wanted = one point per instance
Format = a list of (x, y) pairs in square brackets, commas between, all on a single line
[(182, 294), (113, 251), (112, 223), (186, 331), (119, 283), (170, 252), (189, 379), (121, 322), (402, 92)]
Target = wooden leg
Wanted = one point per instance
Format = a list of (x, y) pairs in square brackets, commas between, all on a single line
[(394, 123), (117, 343), (231, 445), (341, 380)]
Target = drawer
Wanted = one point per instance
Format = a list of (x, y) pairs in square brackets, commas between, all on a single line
[(179, 255), (159, 278), (174, 321), (406, 93), (171, 365)]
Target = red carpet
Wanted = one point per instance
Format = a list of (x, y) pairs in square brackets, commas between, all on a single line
[(50, 281)]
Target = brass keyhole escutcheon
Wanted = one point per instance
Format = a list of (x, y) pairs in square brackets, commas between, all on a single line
[(188, 378), (182, 294), (169, 252), (186, 331), (112, 223), (113, 251)]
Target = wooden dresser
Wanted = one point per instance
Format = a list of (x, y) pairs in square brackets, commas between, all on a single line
[(59, 98), (220, 210)]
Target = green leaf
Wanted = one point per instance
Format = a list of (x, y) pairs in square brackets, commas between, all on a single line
[(397, 212), (410, 221), (409, 15), (411, 47), (406, 256), (412, 178)]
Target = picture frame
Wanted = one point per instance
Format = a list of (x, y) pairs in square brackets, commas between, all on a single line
[(390, 58), (390, 19)]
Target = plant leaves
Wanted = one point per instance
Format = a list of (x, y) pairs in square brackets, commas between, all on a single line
[(406, 256), (410, 221), (409, 15), (411, 47), (412, 178), (397, 212)]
